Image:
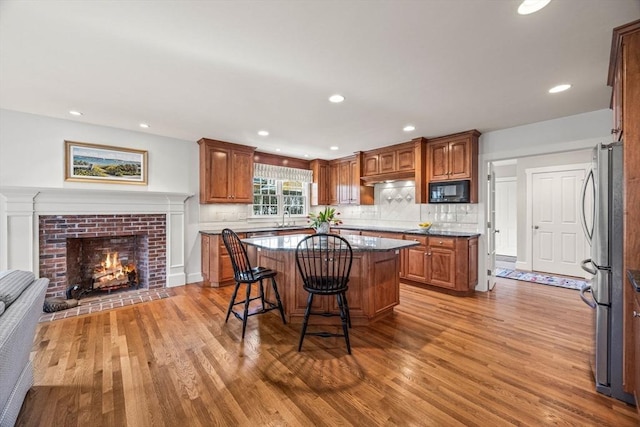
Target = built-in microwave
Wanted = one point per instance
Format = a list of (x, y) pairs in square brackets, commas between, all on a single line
[(449, 192)]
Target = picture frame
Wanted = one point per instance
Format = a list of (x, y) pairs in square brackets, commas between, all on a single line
[(104, 163)]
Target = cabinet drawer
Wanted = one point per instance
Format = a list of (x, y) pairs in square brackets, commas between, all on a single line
[(442, 242), (420, 239)]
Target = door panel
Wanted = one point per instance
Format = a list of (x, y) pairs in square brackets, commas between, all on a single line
[(558, 239), (506, 217)]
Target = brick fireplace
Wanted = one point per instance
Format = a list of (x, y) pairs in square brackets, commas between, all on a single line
[(70, 243), (39, 225)]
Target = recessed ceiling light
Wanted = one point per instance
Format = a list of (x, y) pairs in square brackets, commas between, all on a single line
[(278, 150), (263, 133), (306, 155), (334, 148), (75, 113), (144, 125), (531, 6), (409, 128), (559, 88), (337, 98)]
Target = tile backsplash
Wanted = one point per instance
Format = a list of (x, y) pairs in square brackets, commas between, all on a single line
[(394, 207)]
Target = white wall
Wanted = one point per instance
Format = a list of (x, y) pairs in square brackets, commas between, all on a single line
[(32, 156)]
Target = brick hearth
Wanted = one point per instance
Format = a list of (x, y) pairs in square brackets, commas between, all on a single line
[(56, 229)]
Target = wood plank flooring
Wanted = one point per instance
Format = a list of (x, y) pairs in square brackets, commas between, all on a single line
[(515, 356)]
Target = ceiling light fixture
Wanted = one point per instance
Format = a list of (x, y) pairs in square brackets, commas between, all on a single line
[(530, 6), (263, 133), (75, 113), (277, 150), (145, 125), (336, 99), (334, 148), (559, 88), (409, 128)]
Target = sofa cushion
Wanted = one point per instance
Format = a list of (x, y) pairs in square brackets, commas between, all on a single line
[(13, 284), (1, 307)]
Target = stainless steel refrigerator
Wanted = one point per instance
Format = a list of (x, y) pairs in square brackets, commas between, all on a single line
[(602, 221)]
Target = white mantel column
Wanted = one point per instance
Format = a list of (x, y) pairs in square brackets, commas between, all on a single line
[(17, 230)]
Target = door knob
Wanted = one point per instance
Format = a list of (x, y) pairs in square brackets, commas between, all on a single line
[(535, 227), (497, 231)]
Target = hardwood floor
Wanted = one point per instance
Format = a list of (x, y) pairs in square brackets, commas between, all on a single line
[(515, 356)]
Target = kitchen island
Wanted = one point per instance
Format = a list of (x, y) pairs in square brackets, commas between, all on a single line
[(374, 284)]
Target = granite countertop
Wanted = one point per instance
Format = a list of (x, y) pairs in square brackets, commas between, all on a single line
[(634, 278), (358, 243), (266, 229)]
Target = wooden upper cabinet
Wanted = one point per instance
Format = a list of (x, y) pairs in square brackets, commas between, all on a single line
[(370, 164), (320, 188), (453, 157), (346, 185), (389, 163), (226, 172)]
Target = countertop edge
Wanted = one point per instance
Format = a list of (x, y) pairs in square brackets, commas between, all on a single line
[(417, 232)]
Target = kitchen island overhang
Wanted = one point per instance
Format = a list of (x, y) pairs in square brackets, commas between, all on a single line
[(374, 283)]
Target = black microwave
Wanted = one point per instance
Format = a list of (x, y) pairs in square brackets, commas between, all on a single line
[(449, 192)]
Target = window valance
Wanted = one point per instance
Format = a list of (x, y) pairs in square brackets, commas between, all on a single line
[(261, 170)]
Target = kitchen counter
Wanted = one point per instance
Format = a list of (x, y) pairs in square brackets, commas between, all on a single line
[(374, 282), (634, 278), (418, 231), (358, 243)]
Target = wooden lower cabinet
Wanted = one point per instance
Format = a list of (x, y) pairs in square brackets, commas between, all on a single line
[(216, 264), (449, 263)]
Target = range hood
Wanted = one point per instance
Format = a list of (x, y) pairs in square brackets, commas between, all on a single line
[(370, 180)]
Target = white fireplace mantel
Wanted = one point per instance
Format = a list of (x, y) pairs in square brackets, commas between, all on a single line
[(20, 208)]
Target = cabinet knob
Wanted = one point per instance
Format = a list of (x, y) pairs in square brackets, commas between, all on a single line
[(636, 314), (614, 131)]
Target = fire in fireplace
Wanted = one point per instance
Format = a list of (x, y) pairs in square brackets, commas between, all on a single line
[(112, 274)]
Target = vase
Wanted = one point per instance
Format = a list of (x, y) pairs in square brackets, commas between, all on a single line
[(323, 228)]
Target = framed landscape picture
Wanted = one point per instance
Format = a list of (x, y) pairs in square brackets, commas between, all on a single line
[(103, 163)]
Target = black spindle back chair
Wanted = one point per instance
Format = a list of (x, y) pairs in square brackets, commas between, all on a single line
[(324, 262), (244, 273)]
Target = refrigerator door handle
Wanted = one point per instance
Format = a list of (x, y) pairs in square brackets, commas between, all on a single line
[(588, 233), (591, 270), (589, 301)]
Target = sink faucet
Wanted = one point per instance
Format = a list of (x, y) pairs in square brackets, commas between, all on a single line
[(285, 211)]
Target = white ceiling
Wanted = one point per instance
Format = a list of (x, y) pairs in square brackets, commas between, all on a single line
[(226, 69)]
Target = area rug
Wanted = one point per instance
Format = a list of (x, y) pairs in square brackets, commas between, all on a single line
[(543, 279)]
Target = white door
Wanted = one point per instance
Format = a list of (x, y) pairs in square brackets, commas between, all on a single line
[(491, 227), (557, 237), (506, 217)]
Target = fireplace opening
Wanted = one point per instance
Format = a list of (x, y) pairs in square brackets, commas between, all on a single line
[(105, 264)]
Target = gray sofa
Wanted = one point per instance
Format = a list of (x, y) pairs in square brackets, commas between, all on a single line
[(21, 299)]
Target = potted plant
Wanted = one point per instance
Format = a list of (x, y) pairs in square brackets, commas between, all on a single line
[(324, 219)]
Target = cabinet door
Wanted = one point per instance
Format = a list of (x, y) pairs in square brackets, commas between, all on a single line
[(460, 159), (415, 260), (442, 267), (205, 259), (344, 183), (334, 183), (405, 159), (241, 176), (370, 167), (219, 187), (635, 329), (321, 183), (438, 161), (354, 182), (388, 162)]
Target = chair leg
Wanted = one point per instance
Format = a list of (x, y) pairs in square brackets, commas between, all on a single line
[(246, 309), (275, 291), (346, 306), (262, 295), (305, 321), (233, 300), (343, 317)]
